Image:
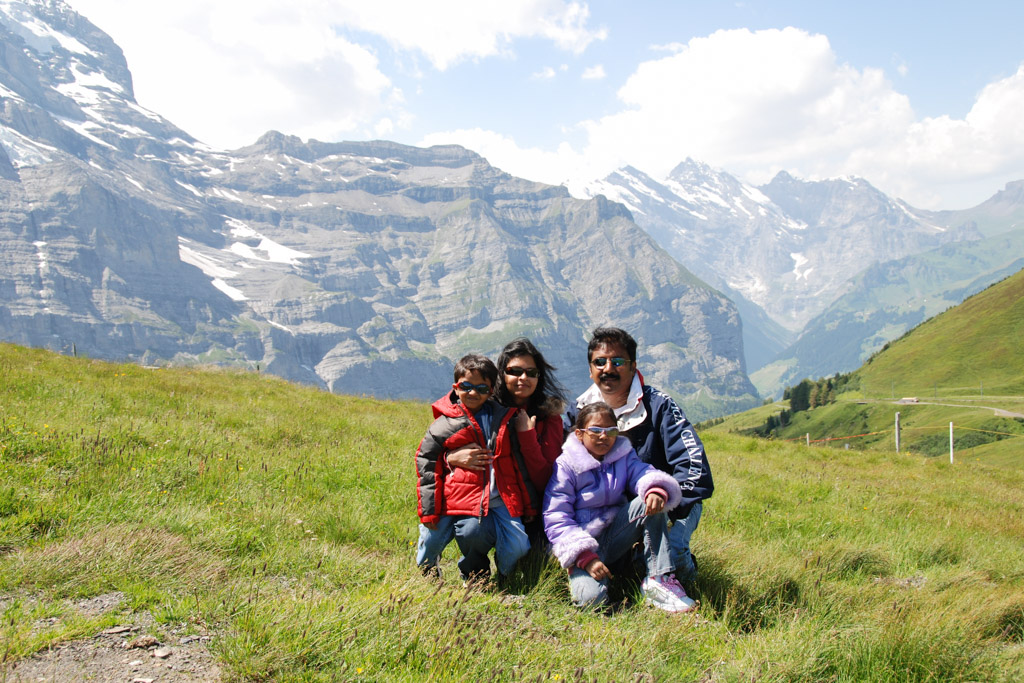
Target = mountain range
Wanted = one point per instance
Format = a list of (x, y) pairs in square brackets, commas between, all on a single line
[(369, 267), (362, 267), (823, 272)]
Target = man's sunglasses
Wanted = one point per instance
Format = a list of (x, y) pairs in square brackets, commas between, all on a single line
[(611, 432), (616, 362), (482, 389), (518, 372)]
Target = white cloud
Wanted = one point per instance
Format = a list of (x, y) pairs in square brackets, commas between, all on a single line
[(594, 73), (545, 74), (450, 31), (301, 67), (754, 103)]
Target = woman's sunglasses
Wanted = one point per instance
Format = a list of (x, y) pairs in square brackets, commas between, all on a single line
[(517, 372)]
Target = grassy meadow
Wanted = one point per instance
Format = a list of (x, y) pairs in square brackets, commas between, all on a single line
[(281, 520)]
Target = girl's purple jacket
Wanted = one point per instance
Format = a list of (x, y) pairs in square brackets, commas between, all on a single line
[(585, 494)]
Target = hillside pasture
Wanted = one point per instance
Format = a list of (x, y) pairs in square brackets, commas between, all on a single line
[(279, 521)]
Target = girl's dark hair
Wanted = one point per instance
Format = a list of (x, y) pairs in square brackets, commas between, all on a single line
[(549, 397), (591, 409)]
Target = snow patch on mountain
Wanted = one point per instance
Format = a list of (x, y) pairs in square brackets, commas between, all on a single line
[(22, 151), (19, 19), (233, 293), (275, 252), (204, 262), (799, 261)]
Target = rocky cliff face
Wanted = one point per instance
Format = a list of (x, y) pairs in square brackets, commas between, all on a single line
[(364, 268)]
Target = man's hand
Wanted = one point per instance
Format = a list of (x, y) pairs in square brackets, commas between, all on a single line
[(597, 569), (654, 503), (470, 457), (431, 525)]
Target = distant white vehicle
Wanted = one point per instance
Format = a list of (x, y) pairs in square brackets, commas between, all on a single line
[(908, 399)]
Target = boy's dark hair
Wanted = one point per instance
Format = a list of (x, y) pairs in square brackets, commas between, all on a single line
[(591, 409), (474, 362), (612, 335), (549, 393)]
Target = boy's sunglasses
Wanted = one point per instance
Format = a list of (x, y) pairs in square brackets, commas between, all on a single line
[(482, 389), (616, 362), (516, 372), (612, 432)]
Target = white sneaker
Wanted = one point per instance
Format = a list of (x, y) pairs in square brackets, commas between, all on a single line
[(664, 592)]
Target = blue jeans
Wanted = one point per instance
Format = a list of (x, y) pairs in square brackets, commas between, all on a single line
[(433, 542), (498, 530), (628, 527), (679, 540)]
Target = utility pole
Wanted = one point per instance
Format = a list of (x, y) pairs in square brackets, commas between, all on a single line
[(950, 443), (897, 432)]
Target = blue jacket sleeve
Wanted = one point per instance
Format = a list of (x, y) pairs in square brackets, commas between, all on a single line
[(684, 453)]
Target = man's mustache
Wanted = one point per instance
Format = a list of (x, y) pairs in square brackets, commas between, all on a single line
[(609, 375)]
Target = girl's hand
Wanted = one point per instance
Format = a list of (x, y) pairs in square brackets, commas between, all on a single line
[(470, 457), (597, 569), (524, 422), (655, 504)]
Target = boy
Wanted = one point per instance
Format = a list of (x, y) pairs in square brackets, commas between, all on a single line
[(481, 509)]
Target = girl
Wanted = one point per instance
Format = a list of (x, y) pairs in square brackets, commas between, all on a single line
[(590, 522)]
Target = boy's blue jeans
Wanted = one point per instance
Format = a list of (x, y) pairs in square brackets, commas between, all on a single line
[(498, 530), (628, 527), (433, 541)]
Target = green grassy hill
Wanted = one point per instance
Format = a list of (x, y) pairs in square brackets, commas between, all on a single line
[(964, 366), (888, 299), (976, 345), (280, 520)]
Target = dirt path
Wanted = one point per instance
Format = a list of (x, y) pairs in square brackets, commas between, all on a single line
[(999, 412), (130, 652)]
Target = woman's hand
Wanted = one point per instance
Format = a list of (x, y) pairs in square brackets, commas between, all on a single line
[(470, 457), (654, 503), (524, 422), (597, 569)]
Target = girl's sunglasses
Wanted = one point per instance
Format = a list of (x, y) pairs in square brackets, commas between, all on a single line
[(611, 432), (481, 389), (517, 372)]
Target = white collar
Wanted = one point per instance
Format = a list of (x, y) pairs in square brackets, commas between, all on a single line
[(631, 413)]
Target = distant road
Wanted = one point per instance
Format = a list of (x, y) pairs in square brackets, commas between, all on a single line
[(999, 412)]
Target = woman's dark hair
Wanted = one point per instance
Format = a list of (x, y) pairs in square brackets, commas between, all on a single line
[(589, 410), (548, 398)]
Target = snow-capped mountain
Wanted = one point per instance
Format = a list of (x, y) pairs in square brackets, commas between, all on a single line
[(788, 247), (361, 267)]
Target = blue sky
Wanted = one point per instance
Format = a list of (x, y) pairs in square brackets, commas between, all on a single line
[(924, 100)]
